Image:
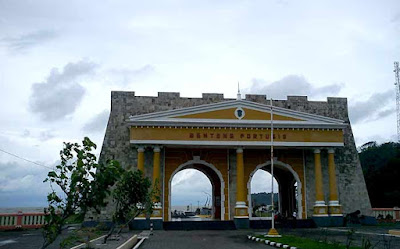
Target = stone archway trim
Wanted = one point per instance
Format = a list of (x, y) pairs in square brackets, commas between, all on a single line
[(202, 162), (283, 165)]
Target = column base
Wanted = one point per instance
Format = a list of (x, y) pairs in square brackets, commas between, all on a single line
[(241, 210), (242, 223), (157, 212), (141, 216), (335, 209), (329, 221), (320, 210)]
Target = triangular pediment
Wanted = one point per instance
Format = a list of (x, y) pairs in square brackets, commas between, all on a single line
[(232, 113), (235, 112)]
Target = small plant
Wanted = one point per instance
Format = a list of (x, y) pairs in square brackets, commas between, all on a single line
[(386, 242), (84, 235), (70, 240), (335, 244), (323, 236), (132, 196), (389, 217), (349, 238), (366, 243)]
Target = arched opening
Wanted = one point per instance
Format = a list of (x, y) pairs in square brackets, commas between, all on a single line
[(261, 194), (191, 196), (197, 193), (288, 188)]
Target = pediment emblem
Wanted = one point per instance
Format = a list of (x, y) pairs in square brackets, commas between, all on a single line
[(239, 113)]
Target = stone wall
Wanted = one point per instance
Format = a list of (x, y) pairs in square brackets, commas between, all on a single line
[(352, 189)]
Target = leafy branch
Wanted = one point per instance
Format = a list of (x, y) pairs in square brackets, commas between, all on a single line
[(84, 186)]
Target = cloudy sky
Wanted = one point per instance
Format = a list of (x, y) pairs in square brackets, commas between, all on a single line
[(59, 60)]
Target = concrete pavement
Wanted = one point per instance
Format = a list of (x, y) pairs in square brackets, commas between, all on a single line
[(201, 239)]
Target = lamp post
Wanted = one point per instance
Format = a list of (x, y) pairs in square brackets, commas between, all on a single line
[(272, 232)]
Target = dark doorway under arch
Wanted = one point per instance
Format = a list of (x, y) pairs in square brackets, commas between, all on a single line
[(287, 188)]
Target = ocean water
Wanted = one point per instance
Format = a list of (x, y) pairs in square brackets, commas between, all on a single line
[(9, 210), (184, 208)]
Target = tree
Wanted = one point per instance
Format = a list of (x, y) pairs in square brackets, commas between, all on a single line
[(132, 196), (84, 186), (381, 168)]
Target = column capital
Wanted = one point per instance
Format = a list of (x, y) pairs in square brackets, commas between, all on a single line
[(317, 151), (140, 148), (239, 150), (331, 150), (156, 148)]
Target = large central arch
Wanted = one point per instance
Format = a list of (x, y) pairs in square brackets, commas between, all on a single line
[(283, 167), (211, 172)]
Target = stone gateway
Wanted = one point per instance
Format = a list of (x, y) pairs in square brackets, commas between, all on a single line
[(315, 159)]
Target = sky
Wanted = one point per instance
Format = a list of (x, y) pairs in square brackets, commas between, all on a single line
[(59, 60)]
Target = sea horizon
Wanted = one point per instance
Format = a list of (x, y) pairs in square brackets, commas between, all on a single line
[(9, 210)]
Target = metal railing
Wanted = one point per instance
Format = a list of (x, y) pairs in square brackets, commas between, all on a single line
[(383, 213), (21, 220)]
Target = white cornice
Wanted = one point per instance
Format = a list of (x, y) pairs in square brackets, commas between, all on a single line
[(170, 114), (234, 124)]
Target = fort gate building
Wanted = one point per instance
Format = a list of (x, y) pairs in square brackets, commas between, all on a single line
[(315, 160)]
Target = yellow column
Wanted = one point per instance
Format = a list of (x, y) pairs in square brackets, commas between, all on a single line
[(157, 209), (140, 166), (156, 167), (334, 208), (320, 209), (140, 159), (240, 208)]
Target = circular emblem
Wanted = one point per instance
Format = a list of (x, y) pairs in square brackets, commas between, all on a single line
[(239, 113)]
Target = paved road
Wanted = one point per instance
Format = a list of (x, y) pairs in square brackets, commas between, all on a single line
[(230, 239), (235, 239), (21, 239), (24, 239)]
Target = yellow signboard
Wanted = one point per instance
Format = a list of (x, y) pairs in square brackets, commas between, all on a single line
[(235, 134)]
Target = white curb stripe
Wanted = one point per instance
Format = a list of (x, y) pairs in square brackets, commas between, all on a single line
[(84, 245)]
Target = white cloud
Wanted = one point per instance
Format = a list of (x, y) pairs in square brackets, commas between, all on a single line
[(46, 135), (23, 182), (190, 186), (61, 93), (379, 105), (27, 41), (261, 182), (125, 76), (98, 123), (292, 85)]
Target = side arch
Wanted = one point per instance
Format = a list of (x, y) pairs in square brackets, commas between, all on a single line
[(284, 166), (187, 165)]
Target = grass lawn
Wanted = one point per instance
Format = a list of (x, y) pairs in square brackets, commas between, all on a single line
[(80, 236), (305, 243), (389, 224)]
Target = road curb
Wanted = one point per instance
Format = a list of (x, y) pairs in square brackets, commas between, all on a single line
[(84, 244), (271, 243), (129, 243)]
